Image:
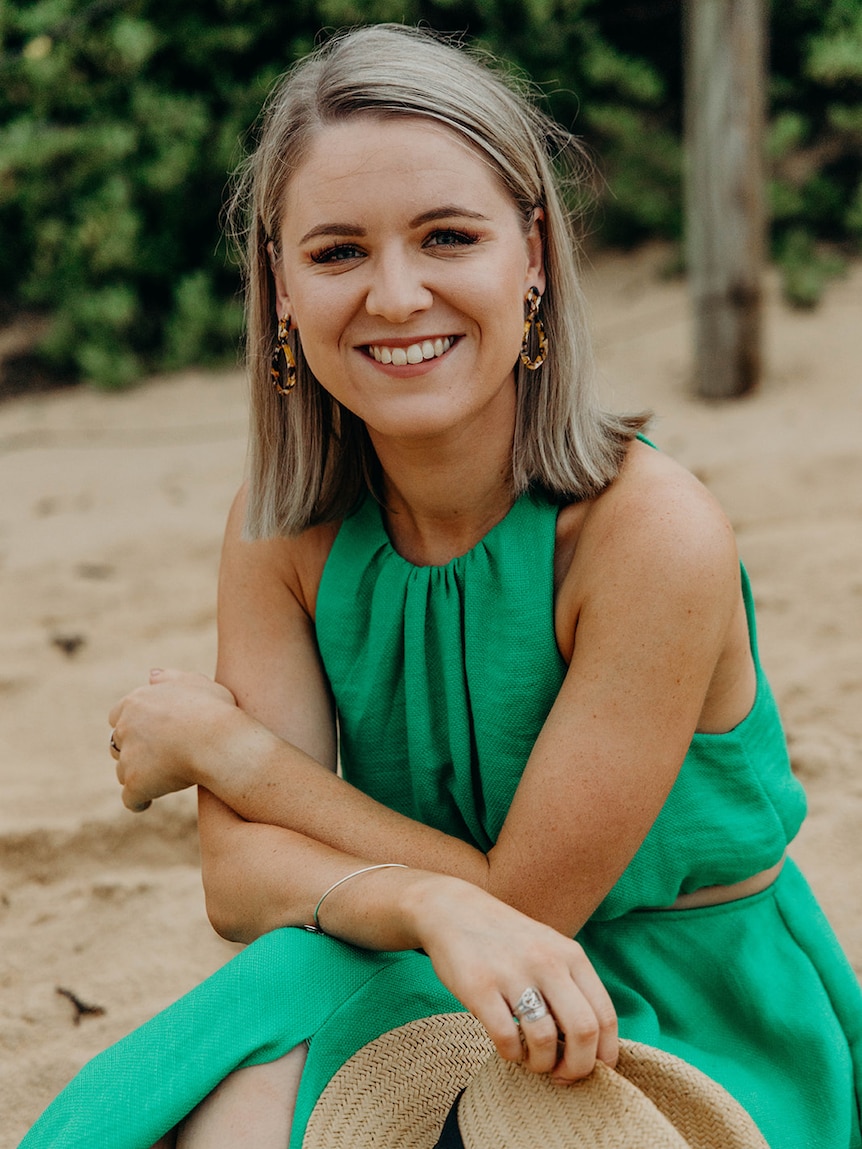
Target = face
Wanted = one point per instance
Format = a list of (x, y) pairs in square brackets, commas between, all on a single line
[(404, 264)]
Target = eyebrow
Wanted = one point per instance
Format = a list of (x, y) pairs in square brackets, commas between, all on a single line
[(447, 211)]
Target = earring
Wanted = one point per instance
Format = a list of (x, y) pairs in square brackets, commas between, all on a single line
[(534, 332), (282, 348)]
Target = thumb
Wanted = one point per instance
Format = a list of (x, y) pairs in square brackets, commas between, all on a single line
[(135, 807)]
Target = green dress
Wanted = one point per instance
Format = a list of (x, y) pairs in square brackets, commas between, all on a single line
[(443, 677)]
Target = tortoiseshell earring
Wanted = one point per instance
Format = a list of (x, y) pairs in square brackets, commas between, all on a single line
[(283, 383), (534, 333)]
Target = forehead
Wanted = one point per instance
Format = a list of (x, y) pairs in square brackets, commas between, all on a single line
[(394, 161)]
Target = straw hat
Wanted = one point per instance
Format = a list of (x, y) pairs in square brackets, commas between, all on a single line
[(397, 1092)]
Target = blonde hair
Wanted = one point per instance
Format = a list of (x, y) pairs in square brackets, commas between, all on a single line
[(310, 459)]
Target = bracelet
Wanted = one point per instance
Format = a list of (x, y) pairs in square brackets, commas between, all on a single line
[(315, 927)]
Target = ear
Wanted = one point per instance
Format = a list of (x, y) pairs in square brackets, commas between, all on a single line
[(536, 252), (282, 299)]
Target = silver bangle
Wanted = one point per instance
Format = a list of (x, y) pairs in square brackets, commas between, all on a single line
[(315, 927)]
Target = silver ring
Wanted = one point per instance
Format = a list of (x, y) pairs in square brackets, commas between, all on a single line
[(114, 745), (530, 1006)]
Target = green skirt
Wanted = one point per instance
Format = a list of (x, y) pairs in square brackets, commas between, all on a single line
[(755, 993)]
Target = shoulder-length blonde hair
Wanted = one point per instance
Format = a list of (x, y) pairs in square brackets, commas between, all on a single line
[(310, 459)]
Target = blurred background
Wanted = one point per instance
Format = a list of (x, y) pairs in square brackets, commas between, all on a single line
[(121, 119)]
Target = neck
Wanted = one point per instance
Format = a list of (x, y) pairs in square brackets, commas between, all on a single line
[(442, 499)]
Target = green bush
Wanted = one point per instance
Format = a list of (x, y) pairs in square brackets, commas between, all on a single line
[(120, 119), (815, 141), (120, 123)]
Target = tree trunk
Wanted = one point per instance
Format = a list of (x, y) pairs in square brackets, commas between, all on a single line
[(725, 49)]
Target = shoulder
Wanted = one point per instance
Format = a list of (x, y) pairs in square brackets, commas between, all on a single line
[(655, 507), (655, 533), (293, 562)]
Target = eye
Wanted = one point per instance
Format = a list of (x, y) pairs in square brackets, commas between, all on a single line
[(449, 237), (336, 253)]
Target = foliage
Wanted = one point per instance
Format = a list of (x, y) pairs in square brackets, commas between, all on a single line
[(815, 141), (120, 119), (120, 122)]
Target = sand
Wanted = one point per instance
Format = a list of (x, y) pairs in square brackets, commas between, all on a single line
[(110, 525)]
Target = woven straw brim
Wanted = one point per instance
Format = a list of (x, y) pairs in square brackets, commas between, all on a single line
[(395, 1093), (651, 1101), (705, 1113), (506, 1106)]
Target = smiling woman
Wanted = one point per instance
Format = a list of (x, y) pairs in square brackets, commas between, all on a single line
[(435, 254), (564, 797), (355, 90)]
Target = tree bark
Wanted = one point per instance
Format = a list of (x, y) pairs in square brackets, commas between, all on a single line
[(725, 50)]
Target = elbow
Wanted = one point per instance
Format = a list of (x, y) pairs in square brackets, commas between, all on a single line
[(225, 921), (225, 906), (235, 926), (222, 877)]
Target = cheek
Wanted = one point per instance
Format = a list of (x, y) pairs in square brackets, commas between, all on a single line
[(319, 356), (318, 321)]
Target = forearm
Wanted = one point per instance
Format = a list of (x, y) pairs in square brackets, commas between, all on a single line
[(261, 877), (271, 783)]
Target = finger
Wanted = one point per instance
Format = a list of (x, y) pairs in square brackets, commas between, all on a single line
[(541, 1041), (538, 1029), (133, 804), (579, 1040), (588, 1028), (170, 674), (131, 800), (593, 989), (112, 745), (496, 1016)]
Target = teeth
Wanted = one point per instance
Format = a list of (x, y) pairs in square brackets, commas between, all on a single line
[(415, 353)]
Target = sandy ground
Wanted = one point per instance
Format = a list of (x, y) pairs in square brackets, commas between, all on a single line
[(110, 526)]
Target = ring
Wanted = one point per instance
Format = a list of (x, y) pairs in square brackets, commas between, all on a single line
[(113, 744), (530, 1005)]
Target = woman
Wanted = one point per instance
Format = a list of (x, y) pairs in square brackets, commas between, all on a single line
[(531, 624)]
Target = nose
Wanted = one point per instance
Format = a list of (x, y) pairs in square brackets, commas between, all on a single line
[(397, 291)]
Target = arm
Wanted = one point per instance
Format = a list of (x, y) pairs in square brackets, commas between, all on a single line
[(259, 876), (648, 641), (268, 658)]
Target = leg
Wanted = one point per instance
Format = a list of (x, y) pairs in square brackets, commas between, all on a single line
[(250, 1109), (247, 1013)]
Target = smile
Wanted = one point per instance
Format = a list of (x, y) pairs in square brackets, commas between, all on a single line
[(415, 353)]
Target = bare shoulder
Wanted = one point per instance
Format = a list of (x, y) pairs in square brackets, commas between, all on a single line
[(294, 562), (654, 507), (659, 502), (656, 531)]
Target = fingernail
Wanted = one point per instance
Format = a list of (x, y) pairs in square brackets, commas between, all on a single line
[(156, 671)]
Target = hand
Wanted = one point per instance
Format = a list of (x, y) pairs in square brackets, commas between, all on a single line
[(488, 953), (161, 730)]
